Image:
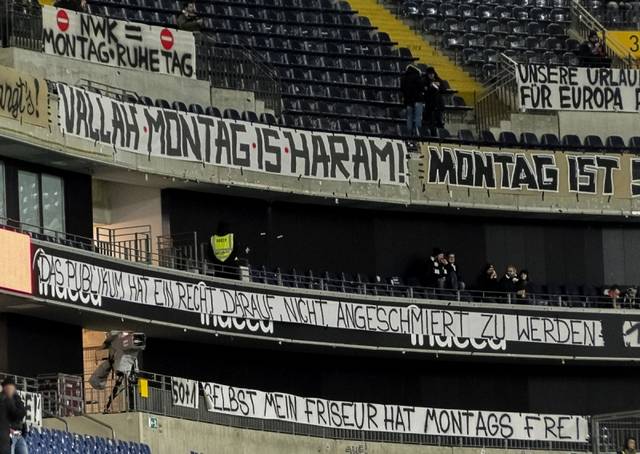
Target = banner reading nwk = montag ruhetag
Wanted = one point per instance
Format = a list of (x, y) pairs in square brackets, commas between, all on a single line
[(111, 42), (207, 140)]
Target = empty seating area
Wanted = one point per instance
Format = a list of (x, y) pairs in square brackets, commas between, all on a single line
[(336, 70), (475, 32), (50, 441), (615, 15)]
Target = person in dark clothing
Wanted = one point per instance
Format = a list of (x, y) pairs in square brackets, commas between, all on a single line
[(412, 89), (189, 20), (509, 282), (437, 273), (11, 410), (592, 52), (488, 283), (524, 287), (453, 278), (433, 101), (629, 446), (73, 5)]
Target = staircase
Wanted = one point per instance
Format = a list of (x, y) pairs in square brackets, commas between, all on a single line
[(401, 33)]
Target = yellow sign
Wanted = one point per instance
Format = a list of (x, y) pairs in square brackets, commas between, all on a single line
[(143, 386), (624, 43), (15, 261), (222, 246)]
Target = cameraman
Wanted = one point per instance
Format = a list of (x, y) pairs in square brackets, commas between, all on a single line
[(12, 412)]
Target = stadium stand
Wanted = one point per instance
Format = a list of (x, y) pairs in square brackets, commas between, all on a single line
[(49, 441), (475, 33), (337, 72)]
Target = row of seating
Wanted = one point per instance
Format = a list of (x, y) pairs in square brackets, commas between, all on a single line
[(545, 141), (51, 441), (615, 14), (339, 56), (358, 283)]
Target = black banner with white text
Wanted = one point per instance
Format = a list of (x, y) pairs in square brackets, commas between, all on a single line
[(92, 282)]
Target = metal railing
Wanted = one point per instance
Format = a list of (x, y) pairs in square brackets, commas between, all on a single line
[(21, 24), (241, 271), (160, 402), (583, 23), (501, 98), (128, 243), (610, 431), (238, 68)]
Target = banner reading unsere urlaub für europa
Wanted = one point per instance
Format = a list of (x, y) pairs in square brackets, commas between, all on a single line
[(207, 140), (123, 44), (543, 87)]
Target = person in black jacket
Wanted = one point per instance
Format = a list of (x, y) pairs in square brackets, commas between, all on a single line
[(11, 410), (488, 284), (433, 101), (412, 89), (189, 20)]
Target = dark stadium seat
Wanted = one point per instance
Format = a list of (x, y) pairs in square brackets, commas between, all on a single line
[(249, 116), (466, 135), (231, 114), (162, 104), (634, 144), (549, 140), (487, 137), (268, 118), (213, 111), (507, 138), (571, 140), (179, 105), (593, 141), (529, 139), (196, 109), (615, 143)]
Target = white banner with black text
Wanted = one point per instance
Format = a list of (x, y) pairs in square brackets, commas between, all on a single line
[(542, 87), (184, 392), (171, 134), (111, 42), (333, 414)]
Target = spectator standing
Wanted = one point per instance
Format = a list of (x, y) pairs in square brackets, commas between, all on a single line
[(488, 283), (11, 410), (524, 287), (592, 52), (433, 101), (412, 88), (509, 282), (453, 278), (437, 274), (629, 446), (189, 20)]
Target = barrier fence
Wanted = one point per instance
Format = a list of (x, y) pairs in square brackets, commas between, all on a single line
[(181, 259), (610, 431)]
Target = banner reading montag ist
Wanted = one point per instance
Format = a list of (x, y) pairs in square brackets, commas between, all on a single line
[(123, 44)]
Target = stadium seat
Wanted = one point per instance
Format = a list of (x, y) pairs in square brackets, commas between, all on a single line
[(466, 135), (593, 141), (507, 138), (571, 140), (213, 111), (487, 137), (231, 114), (634, 144), (249, 116), (615, 143), (549, 140), (268, 118), (529, 139)]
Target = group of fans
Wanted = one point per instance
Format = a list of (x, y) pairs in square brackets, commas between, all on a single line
[(423, 99)]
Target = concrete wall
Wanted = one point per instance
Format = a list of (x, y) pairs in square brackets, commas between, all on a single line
[(171, 88), (179, 436), (117, 205)]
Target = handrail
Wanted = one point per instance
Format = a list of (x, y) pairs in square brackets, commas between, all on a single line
[(583, 23), (499, 101), (48, 414), (242, 271), (101, 423)]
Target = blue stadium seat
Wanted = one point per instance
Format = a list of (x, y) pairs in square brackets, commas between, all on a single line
[(615, 143)]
